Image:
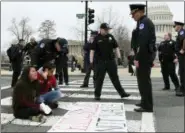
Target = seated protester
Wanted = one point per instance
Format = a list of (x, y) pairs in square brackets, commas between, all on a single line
[(24, 97), (49, 94)]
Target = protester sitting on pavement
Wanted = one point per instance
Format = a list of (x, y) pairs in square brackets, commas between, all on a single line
[(24, 97), (49, 93)]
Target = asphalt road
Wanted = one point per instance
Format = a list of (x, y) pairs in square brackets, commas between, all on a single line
[(168, 109)]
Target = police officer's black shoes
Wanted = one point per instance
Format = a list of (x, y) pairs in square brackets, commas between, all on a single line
[(138, 104), (84, 86), (165, 89), (179, 94), (125, 95), (143, 110), (60, 83), (67, 83), (97, 98)]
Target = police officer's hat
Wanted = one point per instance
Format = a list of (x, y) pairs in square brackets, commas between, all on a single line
[(94, 33), (105, 26), (136, 7), (178, 23)]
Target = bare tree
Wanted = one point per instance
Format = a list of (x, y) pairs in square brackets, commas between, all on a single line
[(21, 30), (47, 29)]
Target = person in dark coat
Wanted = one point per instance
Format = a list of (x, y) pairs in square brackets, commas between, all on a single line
[(24, 96), (46, 51), (61, 62), (131, 63), (145, 55), (87, 61), (30, 46), (15, 54)]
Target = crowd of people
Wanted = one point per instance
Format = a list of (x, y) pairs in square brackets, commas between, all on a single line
[(36, 93)]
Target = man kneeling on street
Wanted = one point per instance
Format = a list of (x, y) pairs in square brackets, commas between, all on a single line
[(49, 94)]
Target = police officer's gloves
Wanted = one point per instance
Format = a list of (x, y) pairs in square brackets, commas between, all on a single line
[(119, 61)]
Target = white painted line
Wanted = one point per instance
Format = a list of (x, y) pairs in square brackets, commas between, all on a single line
[(72, 106), (6, 118), (107, 84), (147, 122), (92, 90), (104, 86), (105, 96), (6, 101), (134, 125), (5, 87)]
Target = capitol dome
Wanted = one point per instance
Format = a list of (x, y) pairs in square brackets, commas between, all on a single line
[(162, 18)]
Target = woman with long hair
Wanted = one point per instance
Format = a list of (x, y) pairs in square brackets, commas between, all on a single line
[(24, 97)]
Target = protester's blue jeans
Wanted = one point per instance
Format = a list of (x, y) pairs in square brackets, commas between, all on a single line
[(50, 97)]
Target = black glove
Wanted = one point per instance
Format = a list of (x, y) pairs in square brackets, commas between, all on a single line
[(119, 61)]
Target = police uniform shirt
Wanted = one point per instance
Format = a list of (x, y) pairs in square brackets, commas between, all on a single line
[(146, 39), (104, 46), (167, 51), (180, 38)]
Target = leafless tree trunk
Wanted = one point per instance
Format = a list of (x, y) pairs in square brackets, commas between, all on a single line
[(47, 29), (21, 30)]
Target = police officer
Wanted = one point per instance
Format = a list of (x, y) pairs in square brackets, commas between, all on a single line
[(45, 51), (62, 62), (103, 45), (168, 60), (145, 56), (15, 53), (87, 61), (134, 45), (30, 46), (181, 54)]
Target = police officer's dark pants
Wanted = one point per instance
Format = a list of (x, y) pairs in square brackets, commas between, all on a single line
[(144, 85), (182, 72), (64, 74), (88, 74), (110, 67), (168, 69), (16, 72)]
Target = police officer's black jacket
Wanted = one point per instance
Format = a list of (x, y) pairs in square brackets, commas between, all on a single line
[(104, 46), (167, 51), (45, 51), (15, 53), (134, 45), (179, 40), (29, 47), (146, 40)]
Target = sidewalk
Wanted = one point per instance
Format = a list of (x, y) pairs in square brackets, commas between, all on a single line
[(121, 71)]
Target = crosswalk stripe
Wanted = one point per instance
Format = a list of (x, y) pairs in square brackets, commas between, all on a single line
[(104, 86), (147, 124), (64, 90)]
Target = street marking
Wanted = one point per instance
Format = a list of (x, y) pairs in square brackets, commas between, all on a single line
[(92, 90), (6, 118), (72, 106), (105, 96), (147, 122), (134, 125), (104, 86), (6, 101), (5, 87)]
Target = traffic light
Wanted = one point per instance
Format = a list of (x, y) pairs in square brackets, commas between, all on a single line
[(90, 16)]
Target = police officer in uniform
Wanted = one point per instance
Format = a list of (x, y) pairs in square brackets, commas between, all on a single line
[(181, 54), (45, 51), (62, 62), (87, 61), (103, 45), (146, 52), (30, 46), (168, 60), (15, 53)]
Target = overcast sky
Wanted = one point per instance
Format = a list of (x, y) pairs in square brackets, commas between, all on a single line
[(64, 15)]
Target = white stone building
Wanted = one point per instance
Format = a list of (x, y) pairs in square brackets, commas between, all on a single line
[(162, 18)]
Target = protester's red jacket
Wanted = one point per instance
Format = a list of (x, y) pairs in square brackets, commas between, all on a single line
[(46, 85)]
